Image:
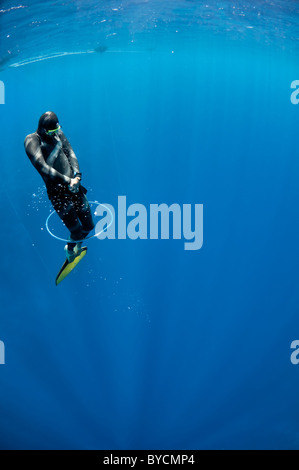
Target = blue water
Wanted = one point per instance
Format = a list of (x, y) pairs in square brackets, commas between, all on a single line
[(147, 345)]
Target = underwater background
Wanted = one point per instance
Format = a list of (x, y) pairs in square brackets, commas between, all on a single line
[(146, 345)]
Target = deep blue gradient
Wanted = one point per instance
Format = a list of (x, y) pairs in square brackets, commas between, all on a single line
[(146, 345)]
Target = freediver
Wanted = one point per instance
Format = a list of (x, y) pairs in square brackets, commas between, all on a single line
[(52, 155)]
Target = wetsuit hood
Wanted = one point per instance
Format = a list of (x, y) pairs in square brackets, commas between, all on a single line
[(47, 122)]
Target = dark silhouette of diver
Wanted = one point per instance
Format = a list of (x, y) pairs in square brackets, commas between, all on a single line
[(52, 155)]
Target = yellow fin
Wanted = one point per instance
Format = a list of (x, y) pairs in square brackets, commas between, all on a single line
[(68, 267)]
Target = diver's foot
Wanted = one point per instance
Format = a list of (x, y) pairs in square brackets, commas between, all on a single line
[(78, 249), (72, 253)]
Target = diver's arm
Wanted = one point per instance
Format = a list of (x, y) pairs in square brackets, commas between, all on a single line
[(33, 150), (69, 152), (54, 154)]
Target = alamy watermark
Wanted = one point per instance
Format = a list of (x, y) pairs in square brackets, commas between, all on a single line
[(295, 354), (2, 93), (295, 94), (158, 221), (2, 352)]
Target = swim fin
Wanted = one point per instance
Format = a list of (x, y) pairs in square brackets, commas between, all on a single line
[(67, 267)]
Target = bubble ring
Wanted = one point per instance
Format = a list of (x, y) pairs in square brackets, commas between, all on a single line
[(87, 238)]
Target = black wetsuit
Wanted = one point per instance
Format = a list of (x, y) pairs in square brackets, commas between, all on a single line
[(57, 172)]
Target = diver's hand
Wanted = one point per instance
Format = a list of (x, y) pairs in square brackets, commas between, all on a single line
[(74, 184), (55, 152), (58, 145)]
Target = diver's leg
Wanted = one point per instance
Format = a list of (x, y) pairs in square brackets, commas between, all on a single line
[(85, 215), (64, 207), (72, 222)]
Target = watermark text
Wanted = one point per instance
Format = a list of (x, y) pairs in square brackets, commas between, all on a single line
[(2, 352), (295, 94), (2, 93), (159, 221)]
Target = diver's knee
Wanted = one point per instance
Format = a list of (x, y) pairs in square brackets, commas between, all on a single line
[(76, 231), (88, 224)]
